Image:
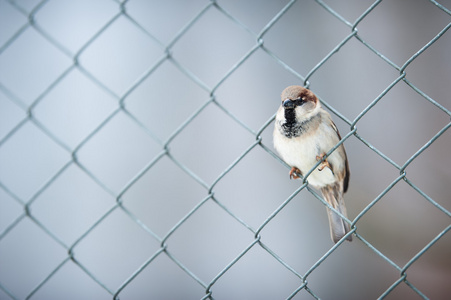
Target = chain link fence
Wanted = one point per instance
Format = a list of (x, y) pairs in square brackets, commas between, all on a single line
[(136, 156)]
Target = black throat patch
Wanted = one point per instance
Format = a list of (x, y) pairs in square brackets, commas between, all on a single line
[(290, 127)]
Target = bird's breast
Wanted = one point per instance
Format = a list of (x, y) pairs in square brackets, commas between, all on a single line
[(301, 152)]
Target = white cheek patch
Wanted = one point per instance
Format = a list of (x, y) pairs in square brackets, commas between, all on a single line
[(307, 111)]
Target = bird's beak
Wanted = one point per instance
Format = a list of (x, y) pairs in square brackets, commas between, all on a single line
[(288, 104)]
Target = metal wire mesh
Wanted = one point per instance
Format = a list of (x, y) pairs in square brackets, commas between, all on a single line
[(168, 149)]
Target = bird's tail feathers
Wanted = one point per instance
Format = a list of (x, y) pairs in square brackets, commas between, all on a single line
[(338, 227)]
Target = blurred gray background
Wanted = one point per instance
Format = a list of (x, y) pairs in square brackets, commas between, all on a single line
[(109, 138)]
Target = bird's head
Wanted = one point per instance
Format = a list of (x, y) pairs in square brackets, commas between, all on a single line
[(298, 103)]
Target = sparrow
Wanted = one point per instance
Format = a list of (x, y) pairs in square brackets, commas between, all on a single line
[(303, 133)]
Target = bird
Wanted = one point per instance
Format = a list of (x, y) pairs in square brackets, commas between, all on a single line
[(303, 135)]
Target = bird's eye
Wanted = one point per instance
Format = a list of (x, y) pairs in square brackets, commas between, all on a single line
[(299, 101)]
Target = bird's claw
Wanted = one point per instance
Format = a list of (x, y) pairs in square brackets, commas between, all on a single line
[(294, 173), (324, 164)]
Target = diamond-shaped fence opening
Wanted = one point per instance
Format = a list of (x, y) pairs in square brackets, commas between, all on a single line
[(136, 156)]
